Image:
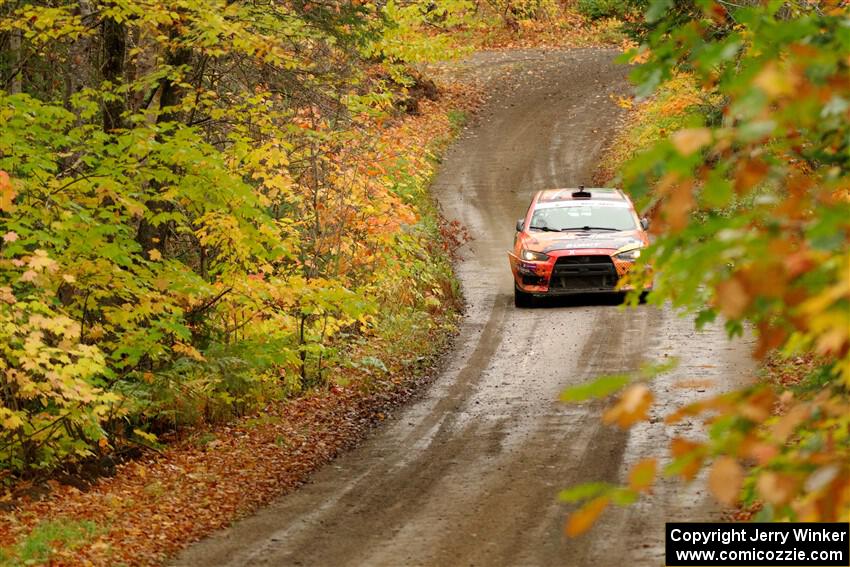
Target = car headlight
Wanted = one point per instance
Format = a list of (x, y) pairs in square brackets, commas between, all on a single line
[(532, 256), (629, 255)]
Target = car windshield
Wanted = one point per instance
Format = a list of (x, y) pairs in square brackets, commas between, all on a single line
[(581, 216)]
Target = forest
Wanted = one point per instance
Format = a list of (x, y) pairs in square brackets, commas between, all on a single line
[(197, 216), (214, 210)]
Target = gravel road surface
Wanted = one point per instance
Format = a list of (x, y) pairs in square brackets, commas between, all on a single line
[(468, 474)]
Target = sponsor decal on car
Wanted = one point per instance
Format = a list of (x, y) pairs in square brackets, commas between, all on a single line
[(574, 243)]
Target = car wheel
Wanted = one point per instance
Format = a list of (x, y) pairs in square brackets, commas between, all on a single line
[(522, 299)]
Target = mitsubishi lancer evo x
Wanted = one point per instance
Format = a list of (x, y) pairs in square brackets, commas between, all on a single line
[(575, 241)]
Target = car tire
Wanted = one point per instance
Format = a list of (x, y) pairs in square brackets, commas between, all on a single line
[(522, 300)]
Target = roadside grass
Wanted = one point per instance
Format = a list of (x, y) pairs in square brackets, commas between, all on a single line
[(799, 373), (611, 31), (678, 105), (48, 541), (563, 27), (681, 104), (457, 119)]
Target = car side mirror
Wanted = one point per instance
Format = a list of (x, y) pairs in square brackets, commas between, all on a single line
[(520, 224), (644, 223)]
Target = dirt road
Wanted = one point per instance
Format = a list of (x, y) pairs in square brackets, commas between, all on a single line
[(469, 473)]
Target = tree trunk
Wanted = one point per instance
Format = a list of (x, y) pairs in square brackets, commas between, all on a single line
[(114, 50), (148, 235), (16, 83)]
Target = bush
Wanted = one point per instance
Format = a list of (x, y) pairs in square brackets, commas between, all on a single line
[(598, 9), (186, 261)]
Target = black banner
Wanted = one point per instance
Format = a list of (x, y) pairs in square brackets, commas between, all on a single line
[(758, 544)]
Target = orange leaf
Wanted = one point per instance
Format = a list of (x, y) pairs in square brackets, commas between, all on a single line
[(798, 263), (690, 140), (582, 519), (682, 448), (725, 480), (770, 337), (7, 192), (758, 451), (732, 298), (749, 173), (776, 488), (768, 279), (758, 406), (631, 407), (678, 205), (789, 422), (642, 474)]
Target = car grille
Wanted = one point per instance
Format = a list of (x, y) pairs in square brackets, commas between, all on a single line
[(583, 272)]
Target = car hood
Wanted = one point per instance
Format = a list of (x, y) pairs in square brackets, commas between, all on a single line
[(553, 241)]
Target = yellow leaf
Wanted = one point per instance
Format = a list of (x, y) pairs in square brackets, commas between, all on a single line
[(41, 261), (725, 480), (625, 102), (776, 82), (690, 140), (155, 254), (149, 437), (582, 519), (189, 351), (642, 474), (12, 422)]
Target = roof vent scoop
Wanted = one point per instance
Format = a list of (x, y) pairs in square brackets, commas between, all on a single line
[(581, 193)]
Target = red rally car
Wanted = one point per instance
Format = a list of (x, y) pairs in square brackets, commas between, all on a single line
[(575, 241)]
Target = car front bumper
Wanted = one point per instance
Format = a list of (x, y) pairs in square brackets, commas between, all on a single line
[(580, 272)]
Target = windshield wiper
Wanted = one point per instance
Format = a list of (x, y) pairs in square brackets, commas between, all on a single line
[(545, 228), (590, 228)]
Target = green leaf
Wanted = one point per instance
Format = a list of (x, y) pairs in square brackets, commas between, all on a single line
[(657, 9), (585, 491), (599, 388)]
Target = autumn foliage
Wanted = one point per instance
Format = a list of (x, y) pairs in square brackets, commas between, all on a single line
[(749, 198), (197, 214)]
